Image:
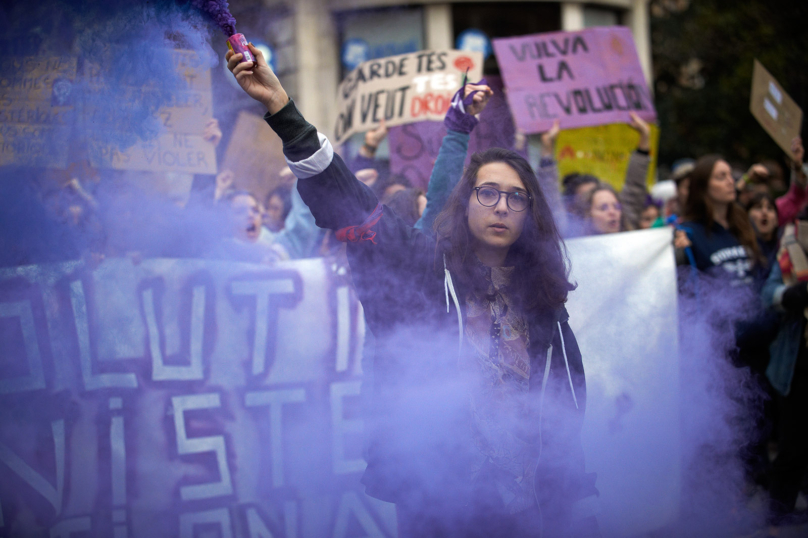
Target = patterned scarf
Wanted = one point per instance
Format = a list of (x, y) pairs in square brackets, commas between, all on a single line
[(500, 411)]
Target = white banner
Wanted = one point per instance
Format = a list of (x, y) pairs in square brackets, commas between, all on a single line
[(176, 397), (624, 315)]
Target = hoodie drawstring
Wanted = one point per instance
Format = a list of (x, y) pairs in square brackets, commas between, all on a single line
[(448, 287), (567, 364)]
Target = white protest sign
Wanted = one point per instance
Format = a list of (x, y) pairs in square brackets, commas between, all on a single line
[(624, 314), (402, 89)]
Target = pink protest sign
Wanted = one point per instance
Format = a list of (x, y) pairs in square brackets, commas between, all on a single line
[(584, 78)]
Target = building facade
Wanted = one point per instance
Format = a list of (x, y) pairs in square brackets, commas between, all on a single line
[(328, 37)]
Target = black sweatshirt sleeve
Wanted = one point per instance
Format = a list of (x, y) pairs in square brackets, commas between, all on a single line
[(335, 197), (299, 137)]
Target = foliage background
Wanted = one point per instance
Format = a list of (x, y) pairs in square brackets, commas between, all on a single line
[(703, 52)]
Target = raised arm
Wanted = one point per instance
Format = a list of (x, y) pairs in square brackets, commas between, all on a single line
[(547, 174), (384, 252), (790, 204), (336, 198), (460, 121), (634, 191)]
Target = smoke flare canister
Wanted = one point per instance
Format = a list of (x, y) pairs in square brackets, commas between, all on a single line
[(238, 44)]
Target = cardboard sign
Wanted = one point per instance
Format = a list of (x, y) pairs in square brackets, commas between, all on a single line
[(584, 78), (776, 112), (180, 148), (254, 155), (35, 99), (414, 147), (603, 152), (402, 89)]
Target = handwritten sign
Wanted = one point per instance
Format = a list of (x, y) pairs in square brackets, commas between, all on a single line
[(187, 398), (584, 78), (402, 89), (35, 99), (254, 155), (414, 147), (180, 147), (776, 112), (603, 152)]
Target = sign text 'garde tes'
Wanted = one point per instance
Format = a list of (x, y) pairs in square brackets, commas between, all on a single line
[(402, 89)]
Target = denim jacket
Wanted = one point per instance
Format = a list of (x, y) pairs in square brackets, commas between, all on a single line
[(786, 346)]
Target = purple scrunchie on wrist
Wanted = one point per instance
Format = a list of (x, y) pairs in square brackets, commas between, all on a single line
[(457, 119)]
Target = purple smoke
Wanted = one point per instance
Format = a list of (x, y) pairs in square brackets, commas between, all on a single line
[(219, 12)]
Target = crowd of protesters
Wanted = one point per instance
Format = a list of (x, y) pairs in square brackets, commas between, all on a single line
[(739, 235)]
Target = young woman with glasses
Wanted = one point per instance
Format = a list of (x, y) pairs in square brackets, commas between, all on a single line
[(478, 386)]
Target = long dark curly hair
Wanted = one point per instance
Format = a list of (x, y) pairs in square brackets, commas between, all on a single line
[(539, 258)]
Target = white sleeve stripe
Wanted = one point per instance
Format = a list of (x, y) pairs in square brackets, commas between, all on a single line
[(586, 507), (316, 163)]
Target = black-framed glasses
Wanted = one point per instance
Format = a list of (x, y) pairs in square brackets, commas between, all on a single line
[(489, 197)]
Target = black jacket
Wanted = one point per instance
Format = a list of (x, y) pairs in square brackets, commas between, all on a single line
[(416, 312)]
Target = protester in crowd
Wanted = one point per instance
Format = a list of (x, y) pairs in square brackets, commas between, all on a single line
[(651, 216), (74, 211), (762, 211), (409, 204), (394, 183), (383, 186), (753, 182), (776, 181), (756, 333), (718, 231), (433, 457), (604, 212), (277, 207), (244, 242), (578, 188), (366, 156), (681, 177), (724, 255), (786, 290), (370, 170), (301, 237)]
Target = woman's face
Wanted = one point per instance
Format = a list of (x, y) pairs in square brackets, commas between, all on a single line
[(605, 212), (721, 188), (273, 216), (246, 217), (496, 228), (764, 217), (649, 215)]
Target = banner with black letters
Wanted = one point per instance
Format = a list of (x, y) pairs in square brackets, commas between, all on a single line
[(184, 398)]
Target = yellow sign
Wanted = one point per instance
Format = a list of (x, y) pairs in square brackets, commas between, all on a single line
[(602, 151)]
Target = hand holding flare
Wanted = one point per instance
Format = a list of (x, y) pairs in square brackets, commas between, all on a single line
[(257, 79)]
